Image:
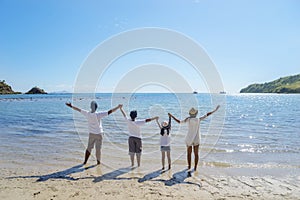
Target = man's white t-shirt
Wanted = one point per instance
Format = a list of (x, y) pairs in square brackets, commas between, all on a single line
[(134, 127), (192, 137), (94, 121)]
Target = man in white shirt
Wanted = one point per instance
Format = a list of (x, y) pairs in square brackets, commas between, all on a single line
[(135, 137), (95, 128)]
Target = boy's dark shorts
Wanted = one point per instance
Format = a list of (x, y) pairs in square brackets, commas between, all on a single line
[(135, 145)]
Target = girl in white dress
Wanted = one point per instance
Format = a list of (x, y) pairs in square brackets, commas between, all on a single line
[(165, 141)]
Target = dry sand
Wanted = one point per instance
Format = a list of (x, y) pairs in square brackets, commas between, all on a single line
[(91, 182)]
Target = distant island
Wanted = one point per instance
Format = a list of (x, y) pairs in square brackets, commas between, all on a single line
[(36, 90), (288, 84), (6, 89)]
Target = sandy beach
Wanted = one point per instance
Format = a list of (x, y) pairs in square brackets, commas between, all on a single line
[(252, 159), (91, 182)]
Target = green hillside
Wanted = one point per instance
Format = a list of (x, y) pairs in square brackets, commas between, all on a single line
[(289, 84), (6, 89)]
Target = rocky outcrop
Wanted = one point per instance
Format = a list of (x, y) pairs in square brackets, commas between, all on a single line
[(36, 90), (6, 89)]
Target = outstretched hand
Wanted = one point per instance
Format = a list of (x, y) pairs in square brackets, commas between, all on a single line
[(217, 107), (69, 104)]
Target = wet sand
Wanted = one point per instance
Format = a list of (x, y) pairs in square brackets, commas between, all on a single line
[(91, 182)]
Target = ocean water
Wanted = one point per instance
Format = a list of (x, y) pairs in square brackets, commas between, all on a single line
[(255, 131)]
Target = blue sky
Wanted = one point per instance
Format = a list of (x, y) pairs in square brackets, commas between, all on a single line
[(44, 43)]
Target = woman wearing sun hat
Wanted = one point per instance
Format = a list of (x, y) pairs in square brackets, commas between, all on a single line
[(192, 138)]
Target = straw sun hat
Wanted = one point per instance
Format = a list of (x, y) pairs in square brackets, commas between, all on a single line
[(193, 112)]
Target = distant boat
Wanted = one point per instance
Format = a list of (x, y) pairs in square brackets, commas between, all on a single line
[(222, 92), (195, 92)]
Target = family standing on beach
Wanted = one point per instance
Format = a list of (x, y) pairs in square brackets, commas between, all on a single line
[(95, 128)]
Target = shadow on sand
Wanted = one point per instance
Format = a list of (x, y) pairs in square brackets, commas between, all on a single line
[(177, 178), (114, 175), (151, 175), (59, 175)]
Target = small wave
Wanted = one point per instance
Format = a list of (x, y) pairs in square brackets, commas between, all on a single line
[(266, 166), (250, 150), (216, 164), (215, 150)]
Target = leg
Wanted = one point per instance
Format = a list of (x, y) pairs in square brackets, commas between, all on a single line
[(189, 156), (98, 148), (163, 153), (131, 150), (138, 158), (87, 155), (132, 159), (88, 151), (169, 158), (138, 150), (196, 150)]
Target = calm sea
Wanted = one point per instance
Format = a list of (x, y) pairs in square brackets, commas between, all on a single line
[(248, 132)]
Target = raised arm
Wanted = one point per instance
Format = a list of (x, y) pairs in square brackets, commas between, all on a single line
[(150, 119), (209, 113), (114, 109), (177, 120), (73, 107), (158, 124), (122, 111), (169, 124)]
